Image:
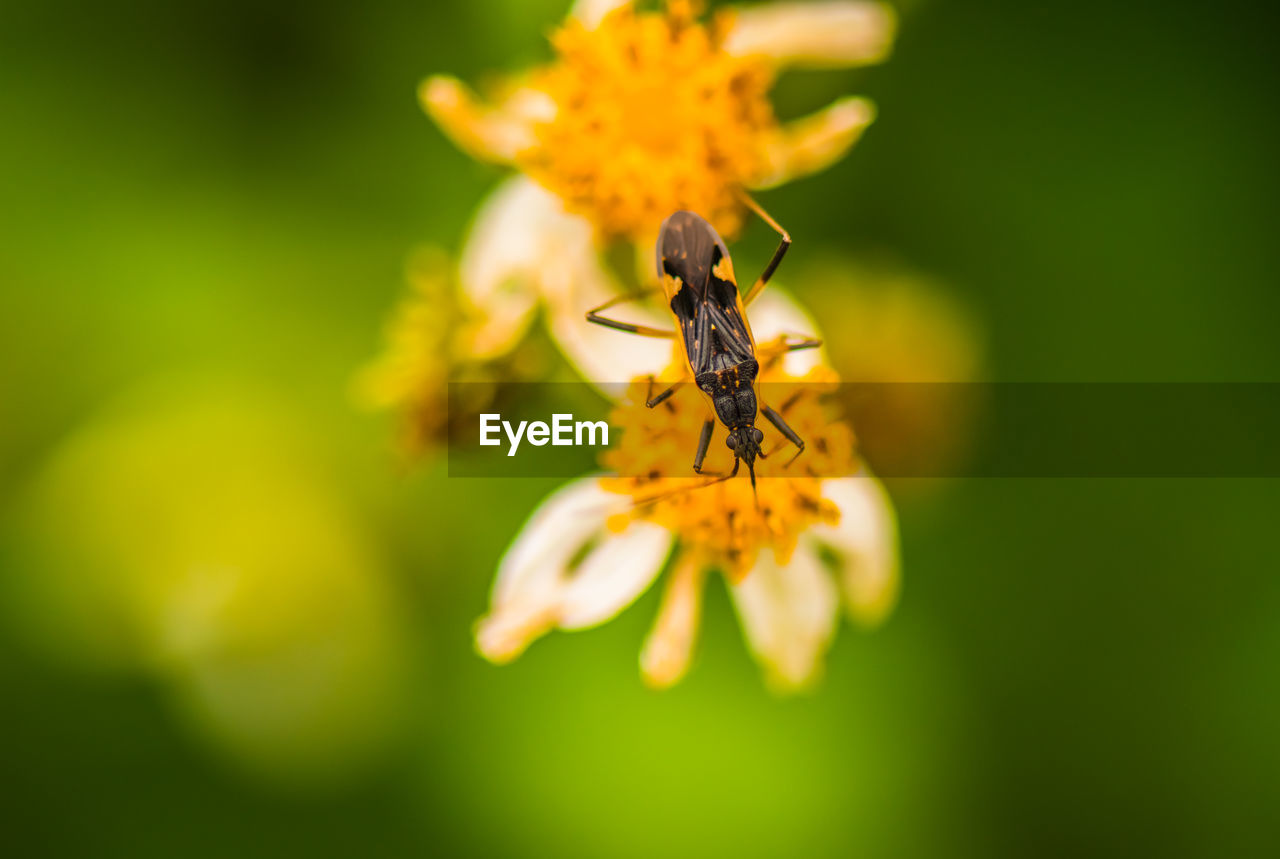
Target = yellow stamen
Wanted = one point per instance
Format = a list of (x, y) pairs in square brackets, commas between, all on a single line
[(721, 524), (433, 338), (653, 116), (412, 374)]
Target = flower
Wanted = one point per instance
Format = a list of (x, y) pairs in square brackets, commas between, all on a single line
[(643, 113), (583, 127), (912, 355), (412, 373), (470, 321), (524, 252), (598, 543), (438, 335), (729, 522)]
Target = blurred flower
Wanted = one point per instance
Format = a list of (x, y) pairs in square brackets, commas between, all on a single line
[(186, 535), (644, 113), (437, 336), (911, 354), (412, 374), (898, 325), (471, 322), (595, 545)]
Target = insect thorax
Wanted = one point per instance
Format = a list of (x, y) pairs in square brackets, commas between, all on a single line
[(732, 392)]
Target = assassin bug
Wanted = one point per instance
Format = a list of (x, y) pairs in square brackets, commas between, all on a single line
[(710, 314)]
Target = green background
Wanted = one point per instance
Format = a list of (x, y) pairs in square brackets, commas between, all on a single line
[(220, 197)]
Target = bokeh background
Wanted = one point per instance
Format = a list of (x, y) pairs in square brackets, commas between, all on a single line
[(265, 648)]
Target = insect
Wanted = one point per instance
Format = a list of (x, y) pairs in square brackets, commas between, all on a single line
[(710, 315)]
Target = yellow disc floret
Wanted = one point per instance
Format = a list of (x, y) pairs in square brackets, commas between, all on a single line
[(413, 372), (725, 523), (431, 342), (652, 116)]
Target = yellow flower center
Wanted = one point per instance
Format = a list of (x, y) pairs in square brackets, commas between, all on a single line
[(652, 116), (725, 524)]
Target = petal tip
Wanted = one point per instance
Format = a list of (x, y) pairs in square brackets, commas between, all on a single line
[(818, 35), (813, 143), (784, 682), (852, 112), (501, 636), (869, 604), (661, 668), (440, 92), (489, 132)]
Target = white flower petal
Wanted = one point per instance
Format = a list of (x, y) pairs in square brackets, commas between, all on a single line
[(592, 12), (524, 248), (487, 132), (525, 601), (814, 34), (522, 233), (669, 647), (605, 357), (535, 589), (788, 615), (866, 541), (491, 272), (814, 142), (776, 313), (521, 246), (563, 523), (501, 636), (614, 574)]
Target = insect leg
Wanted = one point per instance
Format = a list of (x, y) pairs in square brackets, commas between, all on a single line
[(645, 502), (593, 315), (773, 359), (783, 427), (807, 343), (703, 441), (661, 398), (778, 254)]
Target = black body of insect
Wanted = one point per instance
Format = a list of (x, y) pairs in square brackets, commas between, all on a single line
[(710, 315)]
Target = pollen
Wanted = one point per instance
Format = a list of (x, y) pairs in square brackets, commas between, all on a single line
[(652, 116), (429, 343), (412, 374), (722, 523)]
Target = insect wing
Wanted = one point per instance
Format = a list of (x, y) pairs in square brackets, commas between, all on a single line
[(698, 280)]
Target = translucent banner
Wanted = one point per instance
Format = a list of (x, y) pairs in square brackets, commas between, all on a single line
[(894, 430)]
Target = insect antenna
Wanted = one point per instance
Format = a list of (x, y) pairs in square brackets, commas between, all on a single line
[(653, 499), (751, 469)]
